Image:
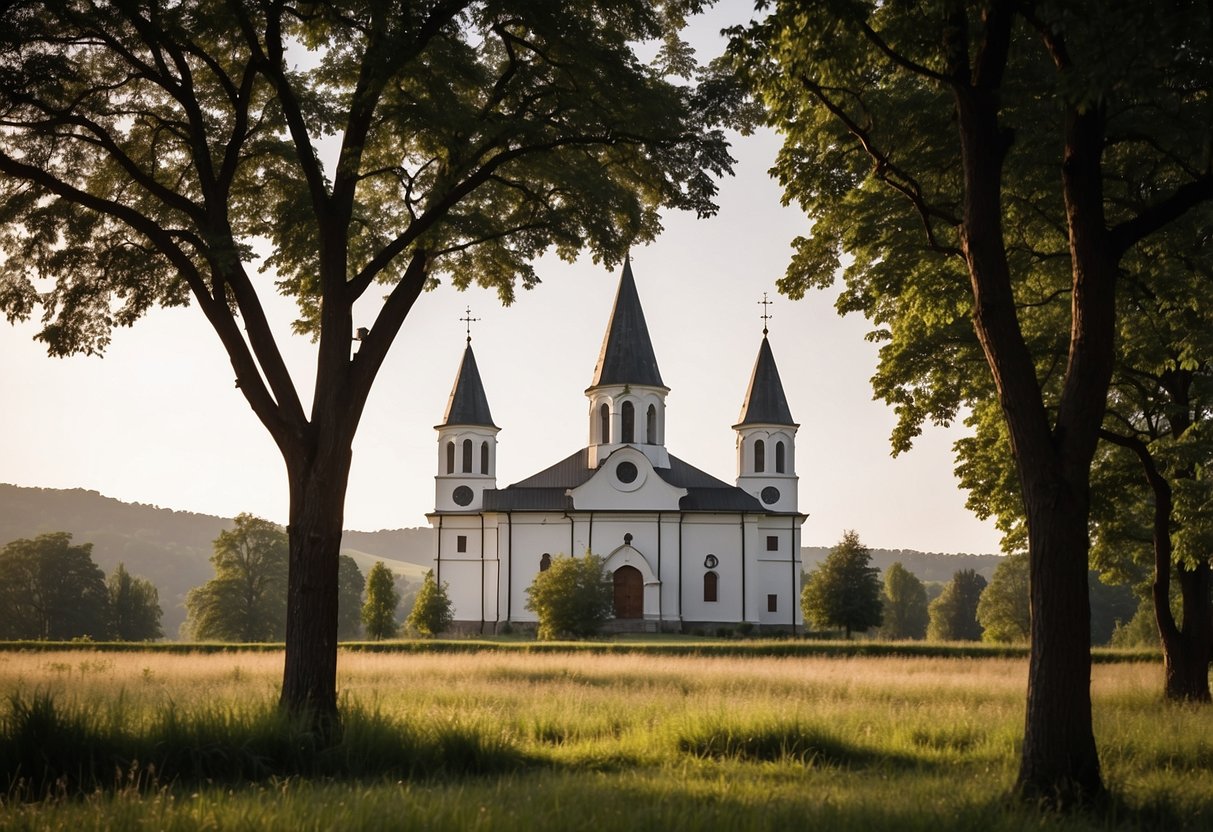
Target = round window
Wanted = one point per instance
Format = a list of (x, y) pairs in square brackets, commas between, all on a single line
[(626, 472), (770, 495), (711, 562), (462, 495)]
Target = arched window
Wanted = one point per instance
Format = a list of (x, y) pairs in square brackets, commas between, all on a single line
[(711, 584), (450, 457), (650, 425), (467, 456), (779, 458), (545, 562), (604, 413), (629, 422), (484, 457), (760, 456)]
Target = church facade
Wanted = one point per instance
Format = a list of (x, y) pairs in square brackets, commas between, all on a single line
[(684, 550)]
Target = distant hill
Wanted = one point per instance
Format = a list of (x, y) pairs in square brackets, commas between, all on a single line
[(928, 566), (170, 548)]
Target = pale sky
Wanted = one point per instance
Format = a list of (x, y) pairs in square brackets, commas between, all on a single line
[(158, 420)]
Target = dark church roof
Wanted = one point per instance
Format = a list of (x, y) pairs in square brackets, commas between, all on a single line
[(627, 353), (765, 403), (467, 404), (545, 491)]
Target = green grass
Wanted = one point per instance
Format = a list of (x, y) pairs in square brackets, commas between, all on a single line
[(523, 740)]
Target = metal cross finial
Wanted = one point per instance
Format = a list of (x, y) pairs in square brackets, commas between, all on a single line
[(469, 320), (766, 315)]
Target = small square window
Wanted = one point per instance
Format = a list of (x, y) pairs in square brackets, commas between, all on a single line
[(461, 543), (772, 543), (772, 603)]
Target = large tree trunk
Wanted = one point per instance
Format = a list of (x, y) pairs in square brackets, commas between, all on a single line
[(1186, 649), (1059, 763)]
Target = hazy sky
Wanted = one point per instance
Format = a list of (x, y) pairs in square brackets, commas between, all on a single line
[(158, 420)]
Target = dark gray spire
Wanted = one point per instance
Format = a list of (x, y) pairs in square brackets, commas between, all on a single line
[(467, 404), (627, 353), (765, 403)]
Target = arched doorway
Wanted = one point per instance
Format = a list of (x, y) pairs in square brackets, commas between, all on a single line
[(629, 592)]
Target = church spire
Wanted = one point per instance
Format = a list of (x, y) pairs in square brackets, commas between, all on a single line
[(467, 404), (627, 353), (765, 402)]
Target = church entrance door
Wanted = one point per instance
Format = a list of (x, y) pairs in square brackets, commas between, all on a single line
[(629, 593)]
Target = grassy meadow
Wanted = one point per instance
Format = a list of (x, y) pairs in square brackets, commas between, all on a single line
[(520, 740)]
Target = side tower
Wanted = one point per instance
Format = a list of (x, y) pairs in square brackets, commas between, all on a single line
[(766, 438), (467, 443), (627, 396)]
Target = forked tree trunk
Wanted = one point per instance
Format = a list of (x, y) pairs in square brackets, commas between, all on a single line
[(1186, 649)]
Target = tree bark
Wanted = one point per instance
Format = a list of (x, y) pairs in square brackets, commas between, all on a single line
[(1187, 649)]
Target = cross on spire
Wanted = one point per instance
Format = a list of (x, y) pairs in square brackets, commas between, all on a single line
[(469, 320), (766, 315)]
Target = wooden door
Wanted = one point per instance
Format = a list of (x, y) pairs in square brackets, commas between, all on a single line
[(629, 593)]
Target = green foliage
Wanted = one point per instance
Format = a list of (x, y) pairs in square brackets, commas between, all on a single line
[(904, 605), (954, 612), (50, 589), (134, 607), (379, 609), (573, 597), (1005, 610), (350, 584), (246, 600), (844, 590), (1141, 630), (431, 613)]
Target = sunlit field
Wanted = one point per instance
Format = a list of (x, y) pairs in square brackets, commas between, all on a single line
[(502, 740)]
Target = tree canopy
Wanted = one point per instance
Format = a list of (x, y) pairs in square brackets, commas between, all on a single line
[(432, 612), (50, 589), (246, 600), (134, 607), (164, 153), (382, 598), (844, 590), (903, 605), (1003, 611), (954, 612)]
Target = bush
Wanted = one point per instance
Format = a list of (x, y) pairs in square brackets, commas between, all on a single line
[(431, 613), (572, 597)]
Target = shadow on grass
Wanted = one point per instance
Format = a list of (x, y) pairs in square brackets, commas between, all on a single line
[(780, 742), (48, 750)]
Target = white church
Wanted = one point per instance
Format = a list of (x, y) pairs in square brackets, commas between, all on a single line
[(685, 551)]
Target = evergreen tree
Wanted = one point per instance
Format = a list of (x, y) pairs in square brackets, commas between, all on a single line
[(572, 597), (134, 606), (844, 590), (905, 605), (349, 600), (50, 589), (431, 612), (379, 610), (954, 612), (246, 600), (1004, 611)]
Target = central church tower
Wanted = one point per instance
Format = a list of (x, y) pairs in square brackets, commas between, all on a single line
[(766, 437), (627, 396)]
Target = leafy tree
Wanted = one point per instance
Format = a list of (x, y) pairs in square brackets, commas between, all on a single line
[(349, 601), (954, 612), (147, 147), (572, 597), (977, 162), (431, 612), (1003, 610), (379, 610), (844, 590), (50, 589), (904, 605), (134, 607), (245, 600)]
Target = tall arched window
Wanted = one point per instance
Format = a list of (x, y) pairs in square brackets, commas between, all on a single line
[(779, 458), (484, 457), (650, 425), (629, 422), (711, 585), (760, 456), (467, 456), (604, 414), (450, 457)]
